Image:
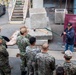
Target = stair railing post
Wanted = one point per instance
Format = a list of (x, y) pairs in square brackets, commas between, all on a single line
[(25, 9)]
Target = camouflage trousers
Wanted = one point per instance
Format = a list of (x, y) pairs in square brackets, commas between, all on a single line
[(30, 68), (23, 63), (6, 69)]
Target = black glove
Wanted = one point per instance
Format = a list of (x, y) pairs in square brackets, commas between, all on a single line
[(62, 34)]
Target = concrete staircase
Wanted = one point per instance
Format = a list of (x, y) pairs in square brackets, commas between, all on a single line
[(17, 14)]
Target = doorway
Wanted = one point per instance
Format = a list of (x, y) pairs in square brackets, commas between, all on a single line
[(48, 3)]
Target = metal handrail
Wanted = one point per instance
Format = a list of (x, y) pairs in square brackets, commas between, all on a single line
[(25, 9), (11, 8)]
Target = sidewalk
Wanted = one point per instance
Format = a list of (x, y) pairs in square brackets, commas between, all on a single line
[(57, 54), (55, 46), (4, 19)]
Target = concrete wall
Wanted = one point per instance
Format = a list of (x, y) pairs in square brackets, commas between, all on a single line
[(37, 3)]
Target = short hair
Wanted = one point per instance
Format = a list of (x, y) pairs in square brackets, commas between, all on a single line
[(32, 40), (23, 30), (45, 46), (67, 58), (59, 70), (23, 27)]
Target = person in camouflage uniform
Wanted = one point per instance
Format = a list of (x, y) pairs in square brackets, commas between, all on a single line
[(23, 42), (31, 52), (4, 59), (45, 63), (69, 67), (4, 41), (15, 35)]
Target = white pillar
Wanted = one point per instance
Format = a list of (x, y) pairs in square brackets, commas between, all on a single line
[(38, 18), (37, 3)]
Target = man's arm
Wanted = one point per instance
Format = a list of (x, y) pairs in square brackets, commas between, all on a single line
[(71, 34), (63, 33), (5, 38), (52, 64), (4, 51), (36, 65)]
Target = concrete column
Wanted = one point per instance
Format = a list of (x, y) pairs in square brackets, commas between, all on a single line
[(38, 18), (37, 3)]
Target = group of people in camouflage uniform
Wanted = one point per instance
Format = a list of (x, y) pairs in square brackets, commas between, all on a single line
[(32, 57), (39, 61), (35, 60), (5, 68)]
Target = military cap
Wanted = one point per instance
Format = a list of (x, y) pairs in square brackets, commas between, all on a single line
[(69, 24), (68, 53)]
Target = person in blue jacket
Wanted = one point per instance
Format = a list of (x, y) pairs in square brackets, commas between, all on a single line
[(69, 34)]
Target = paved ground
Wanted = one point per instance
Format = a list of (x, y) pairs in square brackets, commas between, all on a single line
[(55, 46)]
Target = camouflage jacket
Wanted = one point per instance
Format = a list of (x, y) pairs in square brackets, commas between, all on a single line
[(22, 43), (31, 53), (27, 36), (69, 68), (3, 55), (4, 42), (45, 64)]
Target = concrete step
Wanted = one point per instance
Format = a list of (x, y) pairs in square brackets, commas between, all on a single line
[(19, 2), (17, 14), (18, 11), (16, 22), (40, 42), (17, 19), (18, 8), (19, 5), (41, 34), (57, 54)]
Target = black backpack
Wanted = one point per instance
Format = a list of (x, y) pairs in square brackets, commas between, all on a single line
[(59, 70)]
